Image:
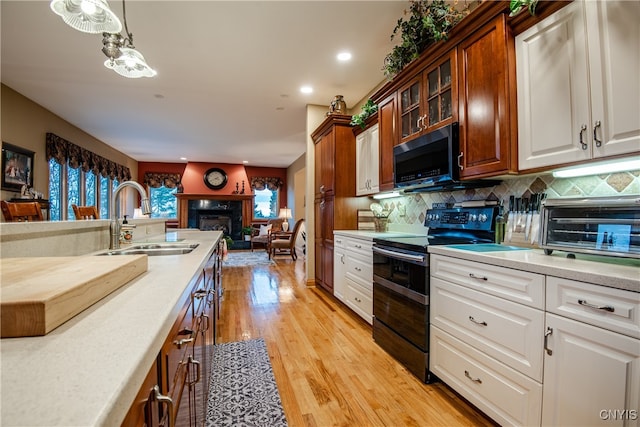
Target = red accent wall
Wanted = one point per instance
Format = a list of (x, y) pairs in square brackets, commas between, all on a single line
[(193, 173)]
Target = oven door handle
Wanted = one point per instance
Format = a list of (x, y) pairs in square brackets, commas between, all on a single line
[(400, 255)]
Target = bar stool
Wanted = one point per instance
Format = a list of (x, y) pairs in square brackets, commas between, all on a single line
[(21, 212), (85, 212)]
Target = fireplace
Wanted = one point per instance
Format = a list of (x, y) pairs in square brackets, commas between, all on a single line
[(224, 212), (218, 215)]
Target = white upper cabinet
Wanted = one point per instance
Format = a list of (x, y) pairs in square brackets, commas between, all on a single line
[(367, 162), (578, 84)]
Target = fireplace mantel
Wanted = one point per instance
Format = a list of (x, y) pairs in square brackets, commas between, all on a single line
[(184, 198)]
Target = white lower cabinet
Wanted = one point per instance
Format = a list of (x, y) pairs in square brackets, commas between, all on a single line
[(353, 274), (591, 377), (504, 394), (570, 358)]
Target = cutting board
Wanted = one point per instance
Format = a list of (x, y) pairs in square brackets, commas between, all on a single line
[(41, 293)]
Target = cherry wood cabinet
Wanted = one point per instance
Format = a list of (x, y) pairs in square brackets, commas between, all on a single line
[(335, 204), (487, 111), (430, 99), (176, 388), (388, 138)]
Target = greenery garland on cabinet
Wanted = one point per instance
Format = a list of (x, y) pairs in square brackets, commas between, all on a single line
[(368, 109), (428, 22)]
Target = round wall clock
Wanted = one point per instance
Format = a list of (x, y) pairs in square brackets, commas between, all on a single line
[(215, 178)]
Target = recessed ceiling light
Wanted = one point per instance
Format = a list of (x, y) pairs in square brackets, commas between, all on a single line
[(183, 158), (306, 89), (245, 161), (344, 56)]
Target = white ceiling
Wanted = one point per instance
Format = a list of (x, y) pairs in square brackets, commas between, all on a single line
[(229, 73)]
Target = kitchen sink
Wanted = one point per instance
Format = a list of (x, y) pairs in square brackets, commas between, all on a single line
[(153, 249)]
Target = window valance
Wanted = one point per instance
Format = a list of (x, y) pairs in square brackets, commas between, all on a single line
[(158, 179), (271, 183), (64, 151)]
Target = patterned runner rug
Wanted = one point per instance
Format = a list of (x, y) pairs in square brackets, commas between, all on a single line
[(243, 388), (245, 258)]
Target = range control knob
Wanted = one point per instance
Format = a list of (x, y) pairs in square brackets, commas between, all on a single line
[(483, 217), (473, 217)]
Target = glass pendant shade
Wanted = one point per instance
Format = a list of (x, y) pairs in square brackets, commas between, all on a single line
[(88, 16), (130, 64)]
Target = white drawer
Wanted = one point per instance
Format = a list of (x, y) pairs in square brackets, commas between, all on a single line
[(515, 285), (512, 333), (338, 241), (358, 246), (360, 270), (505, 395), (613, 309), (360, 301)]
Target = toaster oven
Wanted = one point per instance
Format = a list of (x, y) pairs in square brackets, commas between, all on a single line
[(594, 225)]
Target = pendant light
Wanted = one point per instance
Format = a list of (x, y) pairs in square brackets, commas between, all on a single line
[(124, 59), (88, 16)]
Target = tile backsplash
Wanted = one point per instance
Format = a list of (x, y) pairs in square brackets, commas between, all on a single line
[(407, 212)]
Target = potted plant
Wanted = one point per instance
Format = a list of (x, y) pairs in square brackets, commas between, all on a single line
[(246, 232), (229, 241), (427, 23), (517, 6)]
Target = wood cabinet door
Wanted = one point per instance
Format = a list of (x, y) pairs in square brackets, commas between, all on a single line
[(410, 111), (485, 103), (553, 95), (388, 138), (327, 158), (591, 377), (440, 92), (614, 69)]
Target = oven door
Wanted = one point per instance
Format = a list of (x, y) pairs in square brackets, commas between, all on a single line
[(400, 293)]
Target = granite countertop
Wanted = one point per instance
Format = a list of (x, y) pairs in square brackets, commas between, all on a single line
[(88, 371), (620, 273)]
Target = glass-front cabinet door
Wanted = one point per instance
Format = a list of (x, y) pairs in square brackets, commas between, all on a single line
[(441, 94), (430, 100), (410, 110)]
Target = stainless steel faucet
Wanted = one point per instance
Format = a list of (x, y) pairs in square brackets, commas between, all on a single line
[(145, 206)]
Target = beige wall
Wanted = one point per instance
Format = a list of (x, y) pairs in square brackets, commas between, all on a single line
[(25, 124)]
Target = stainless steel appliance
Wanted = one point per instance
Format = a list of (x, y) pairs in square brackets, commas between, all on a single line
[(431, 163), (401, 281), (594, 225)]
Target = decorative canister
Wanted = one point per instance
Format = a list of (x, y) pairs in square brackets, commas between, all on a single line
[(338, 106)]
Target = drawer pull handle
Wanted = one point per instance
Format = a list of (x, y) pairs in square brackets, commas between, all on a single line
[(158, 397), (595, 134), (483, 323), (357, 268), (182, 342), (475, 380), (583, 129), (473, 276), (548, 332), (192, 362), (597, 307)]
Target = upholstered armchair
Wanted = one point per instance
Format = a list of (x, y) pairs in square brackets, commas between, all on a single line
[(261, 233), (282, 242)]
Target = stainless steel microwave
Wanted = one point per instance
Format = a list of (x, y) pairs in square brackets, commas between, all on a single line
[(430, 163)]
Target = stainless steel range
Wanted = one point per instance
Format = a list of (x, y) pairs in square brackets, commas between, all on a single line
[(401, 281)]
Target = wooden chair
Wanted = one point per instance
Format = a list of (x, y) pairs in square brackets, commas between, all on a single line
[(283, 241), (263, 239), (85, 212), (21, 212)]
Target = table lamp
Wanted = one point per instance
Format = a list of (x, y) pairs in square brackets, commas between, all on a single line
[(286, 214)]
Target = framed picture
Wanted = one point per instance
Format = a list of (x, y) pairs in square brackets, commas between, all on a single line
[(17, 167)]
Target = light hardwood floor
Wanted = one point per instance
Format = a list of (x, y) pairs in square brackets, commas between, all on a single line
[(328, 369)]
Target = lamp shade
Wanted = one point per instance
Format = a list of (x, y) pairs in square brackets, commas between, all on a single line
[(88, 16), (130, 64), (285, 213)]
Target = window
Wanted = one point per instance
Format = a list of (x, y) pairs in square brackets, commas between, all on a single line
[(79, 188), (163, 202), (266, 204)]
